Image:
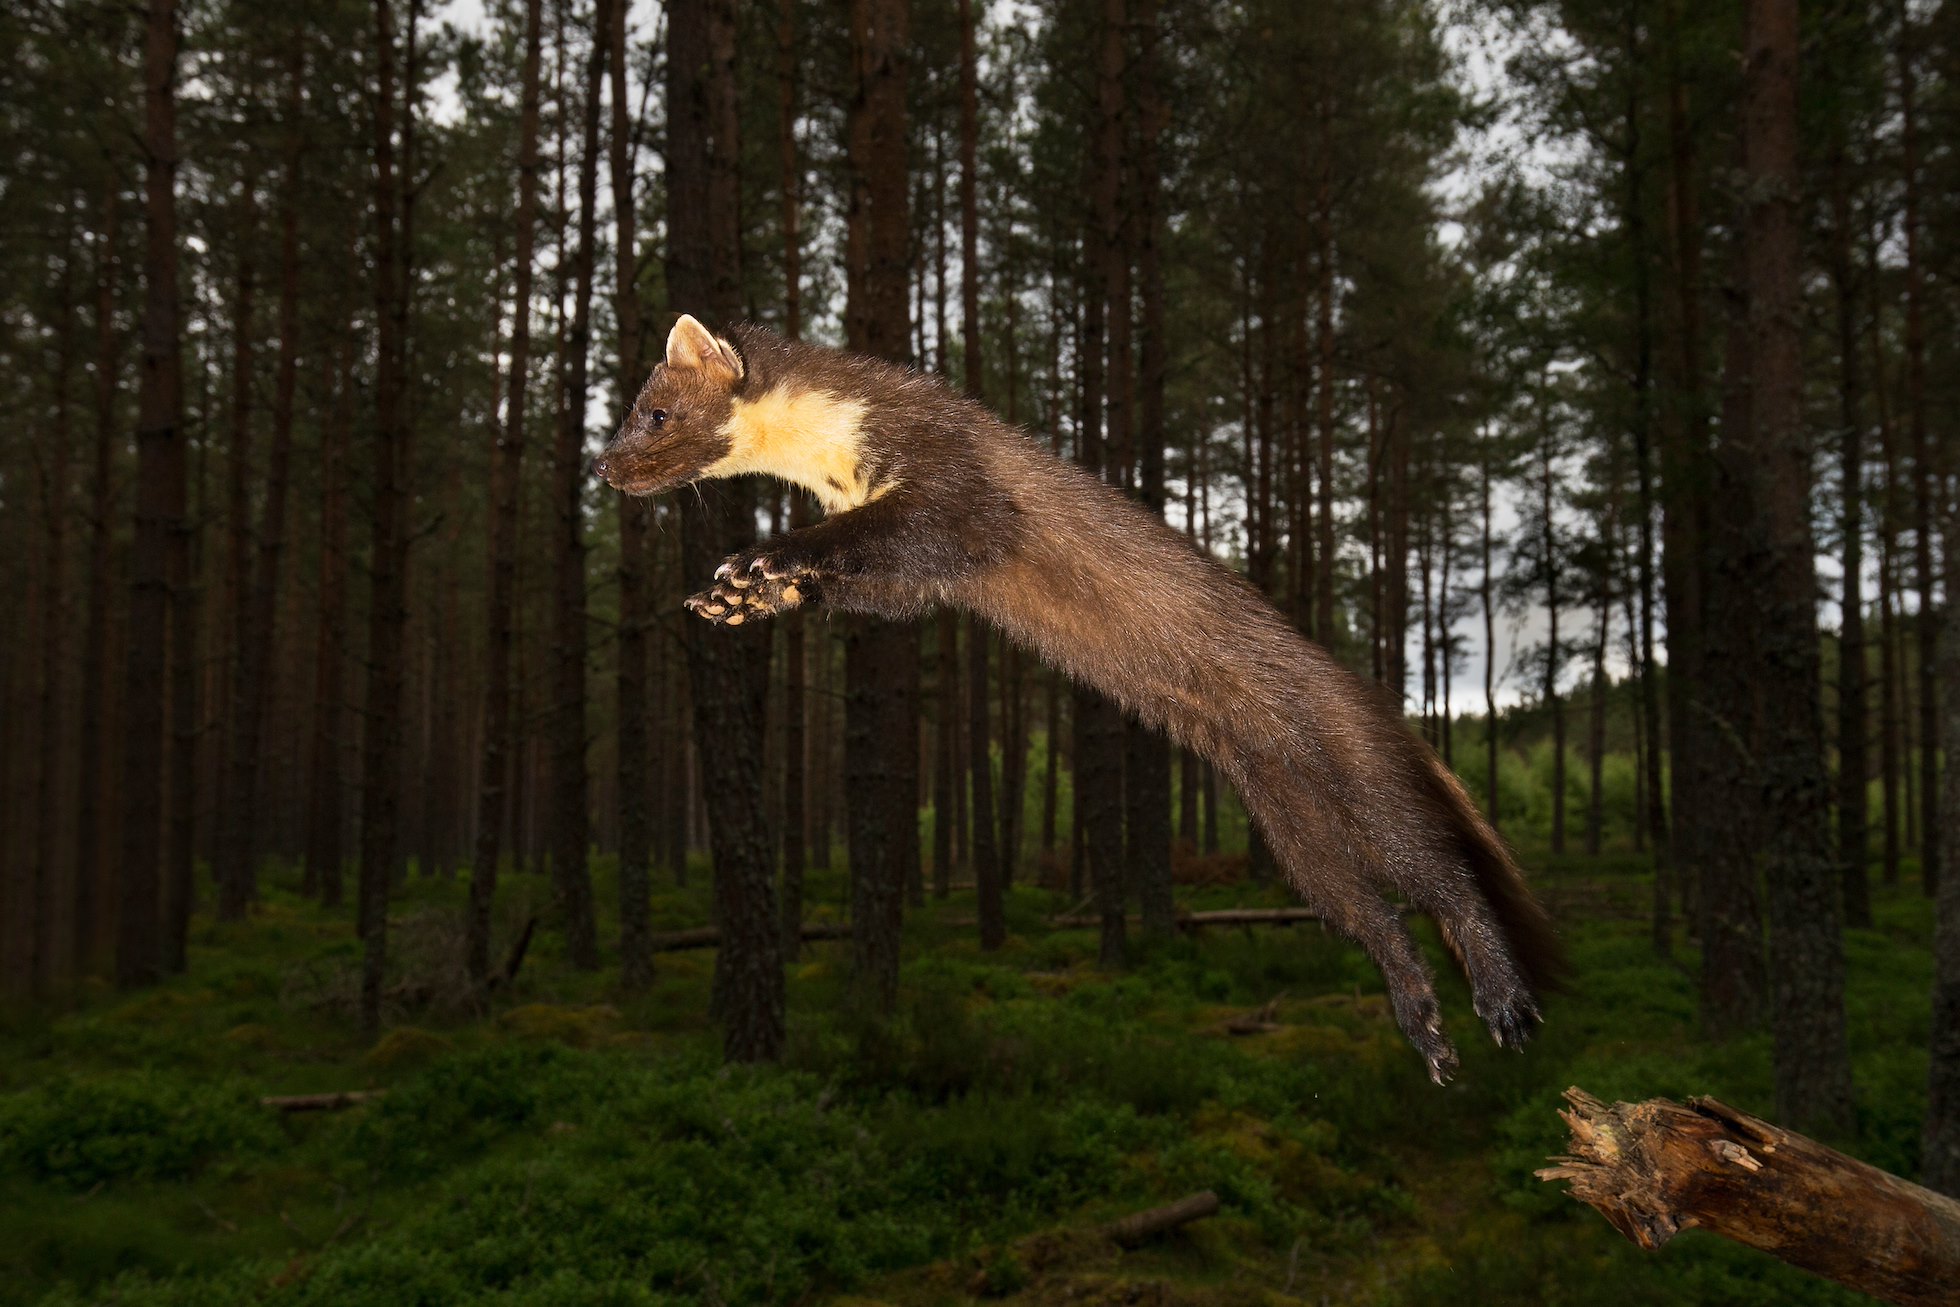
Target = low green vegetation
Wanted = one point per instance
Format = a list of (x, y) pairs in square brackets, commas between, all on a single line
[(574, 1145)]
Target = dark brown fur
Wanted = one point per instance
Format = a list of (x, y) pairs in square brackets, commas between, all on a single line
[(970, 512)]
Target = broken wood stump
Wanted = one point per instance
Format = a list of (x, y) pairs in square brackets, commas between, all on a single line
[(1656, 1168)]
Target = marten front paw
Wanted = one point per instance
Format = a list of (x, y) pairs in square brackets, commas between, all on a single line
[(750, 593)]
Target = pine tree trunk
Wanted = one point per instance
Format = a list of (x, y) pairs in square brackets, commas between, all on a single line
[(325, 786), (230, 864), (90, 835), (1099, 726), (1650, 822), (987, 873), (945, 737), (1148, 767), (1684, 485), (1596, 719), (571, 835), (635, 612), (1554, 594), (1888, 634), (47, 943), (159, 520), (382, 740), (495, 800), (1925, 463), (185, 775), (1487, 591), (1769, 583), (728, 670), (1941, 1147), (1853, 773)]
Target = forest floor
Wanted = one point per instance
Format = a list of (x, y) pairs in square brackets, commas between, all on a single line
[(576, 1146)]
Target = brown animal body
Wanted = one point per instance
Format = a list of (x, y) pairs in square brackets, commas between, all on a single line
[(933, 500)]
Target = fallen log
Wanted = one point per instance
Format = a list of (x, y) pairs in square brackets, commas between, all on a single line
[(1199, 920), (710, 936), (1261, 1020), (1142, 1226), (333, 1102), (1656, 1168)]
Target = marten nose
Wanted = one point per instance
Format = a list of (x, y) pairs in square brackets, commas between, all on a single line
[(601, 467)]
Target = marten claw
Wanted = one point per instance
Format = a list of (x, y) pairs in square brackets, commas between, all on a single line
[(733, 601)]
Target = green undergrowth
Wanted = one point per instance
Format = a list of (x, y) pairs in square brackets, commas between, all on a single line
[(573, 1144)]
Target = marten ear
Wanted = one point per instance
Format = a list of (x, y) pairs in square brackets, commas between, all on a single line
[(691, 345)]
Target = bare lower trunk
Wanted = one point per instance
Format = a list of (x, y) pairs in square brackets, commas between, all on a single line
[(381, 741), (728, 671), (159, 525), (506, 467), (635, 611), (90, 838), (570, 816)]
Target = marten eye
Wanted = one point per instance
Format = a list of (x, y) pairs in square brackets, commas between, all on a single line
[(658, 417)]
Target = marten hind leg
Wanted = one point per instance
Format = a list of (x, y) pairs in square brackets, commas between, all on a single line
[(1470, 931), (1377, 927), (1306, 840)]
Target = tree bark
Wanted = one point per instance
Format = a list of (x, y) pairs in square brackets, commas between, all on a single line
[(1888, 513), (1773, 763), (571, 821), (231, 863), (987, 862), (46, 942), (1941, 1149), (90, 835), (494, 799), (1853, 774), (881, 658), (1653, 815), (635, 613), (1099, 730), (728, 670), (1554, 654), (325, 786), (1487, 589), (1684, 481), (1925, 462), (796, 652), (237, 869), (1147, 774), (381, 741), (159, 519)]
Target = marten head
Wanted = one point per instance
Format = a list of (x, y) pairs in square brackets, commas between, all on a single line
[(677, 429)]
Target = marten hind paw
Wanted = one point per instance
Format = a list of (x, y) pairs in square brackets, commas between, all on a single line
[(1511, 1019), (759, 565), (1421, 1021)]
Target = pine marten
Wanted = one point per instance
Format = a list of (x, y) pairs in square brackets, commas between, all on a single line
[(931, 500)]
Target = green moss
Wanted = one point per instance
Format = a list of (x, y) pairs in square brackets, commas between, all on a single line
[(578, 1147), (406, 1046)]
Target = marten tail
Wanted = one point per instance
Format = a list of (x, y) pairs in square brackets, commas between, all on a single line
[(1524, 922), (1346, 824)]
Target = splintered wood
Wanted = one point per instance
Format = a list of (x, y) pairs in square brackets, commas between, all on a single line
[(1656, 1168)]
